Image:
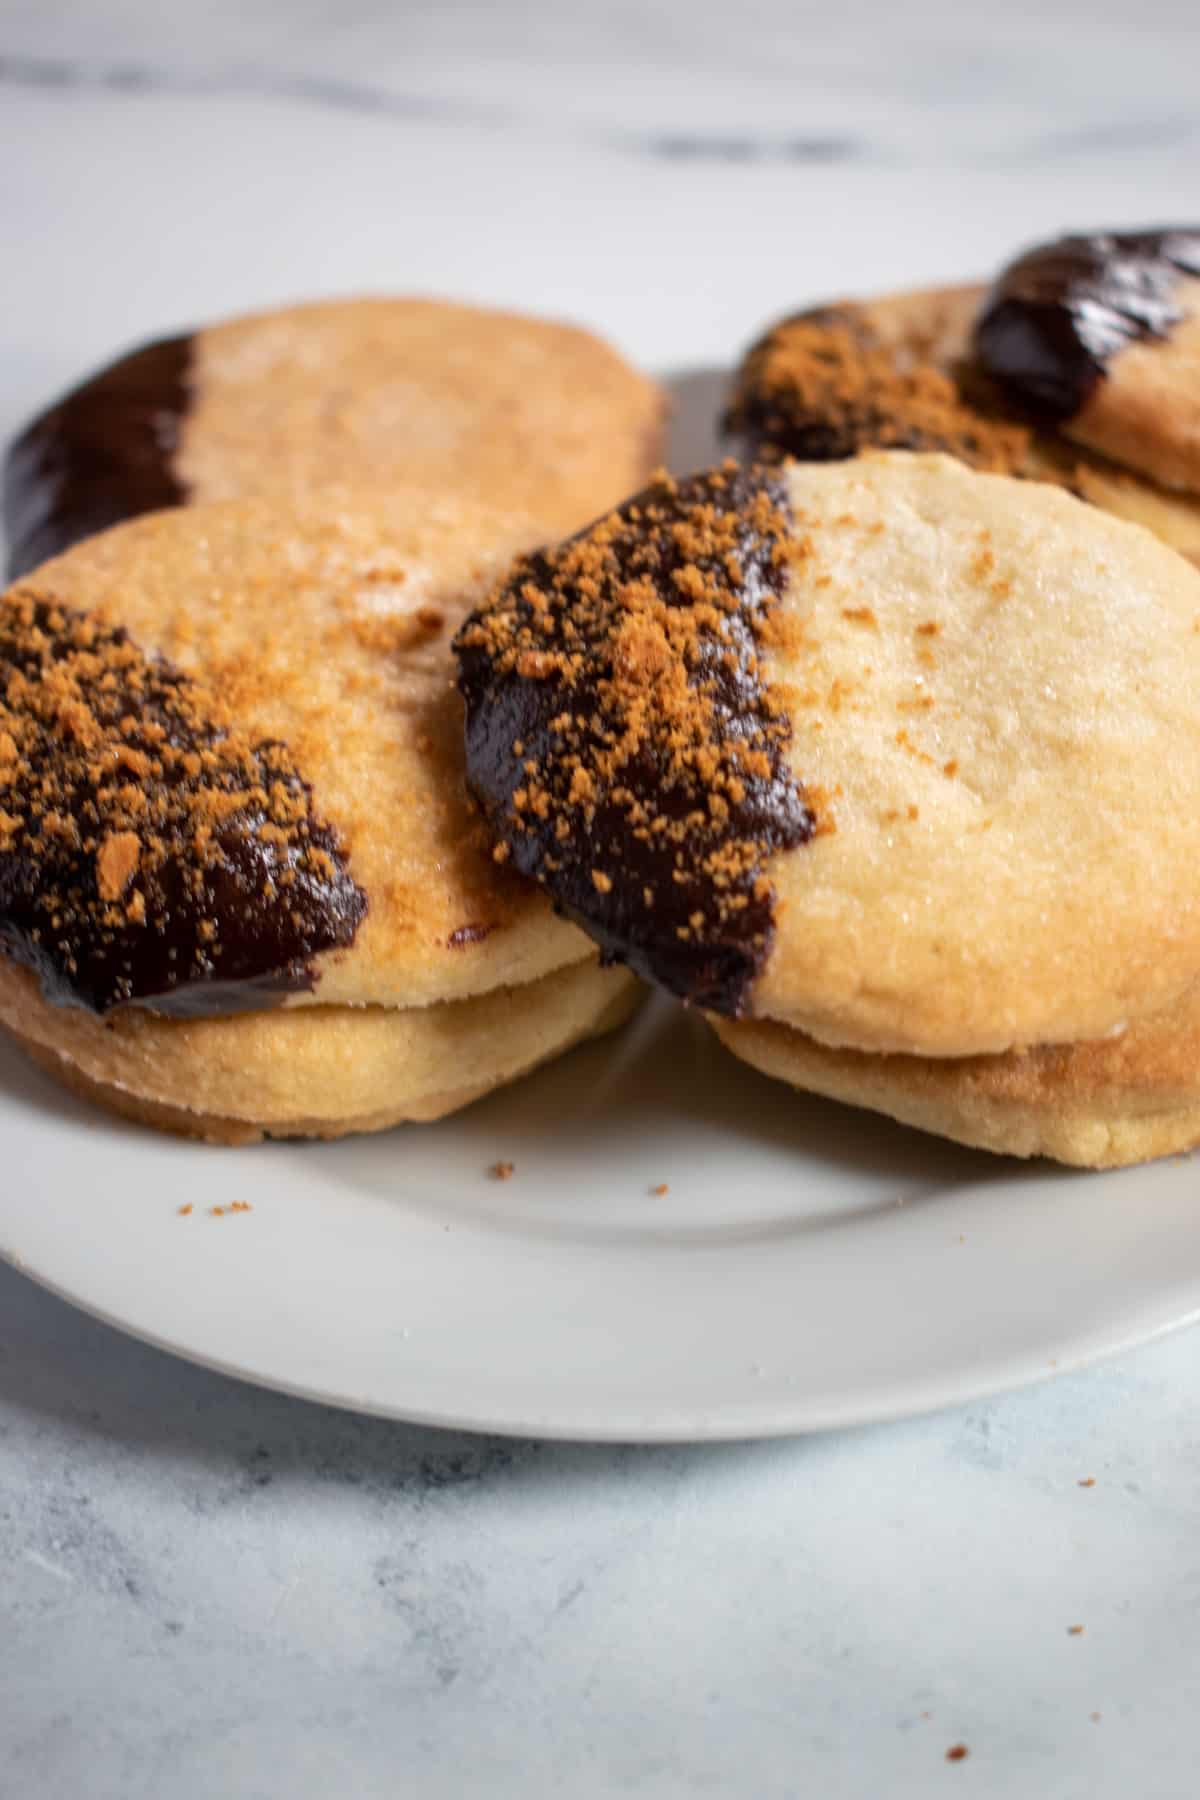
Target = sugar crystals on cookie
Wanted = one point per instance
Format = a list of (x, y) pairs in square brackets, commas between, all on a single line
[(867, 747)]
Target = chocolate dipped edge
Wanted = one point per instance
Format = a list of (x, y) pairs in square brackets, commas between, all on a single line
[(644, 896), (102, 453), (1059, 314), (149, 855)]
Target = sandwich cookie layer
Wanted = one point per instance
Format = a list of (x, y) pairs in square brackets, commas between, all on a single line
[(317, 1071), (231, 782), (1127, 1098)]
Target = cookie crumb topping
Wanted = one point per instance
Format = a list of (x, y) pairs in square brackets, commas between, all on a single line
[(822, 386), (149, 850), (622, 738)]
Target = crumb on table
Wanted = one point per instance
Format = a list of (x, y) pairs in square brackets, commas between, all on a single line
[(502, 1171)]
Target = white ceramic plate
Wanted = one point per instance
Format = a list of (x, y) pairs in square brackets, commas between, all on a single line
[(809, 1265)]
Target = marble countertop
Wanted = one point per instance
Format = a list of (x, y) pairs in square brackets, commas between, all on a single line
[(213, 1590)]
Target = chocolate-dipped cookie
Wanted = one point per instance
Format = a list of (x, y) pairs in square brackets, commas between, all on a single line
[(1100, 334), (511, 411), (242, 890), (828, 383), (903, 372), (898, 754)]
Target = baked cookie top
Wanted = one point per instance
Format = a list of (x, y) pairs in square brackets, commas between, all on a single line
[(899, 753), (516, 412), (231, 762)]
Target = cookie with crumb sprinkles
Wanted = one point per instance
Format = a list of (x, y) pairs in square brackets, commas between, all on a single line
[(149, 850), (621, 738), (242, 890), (826, 384), (1080, 368), (900, 754)]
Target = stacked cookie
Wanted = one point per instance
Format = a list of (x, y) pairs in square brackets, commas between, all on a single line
[(880, 747), (242, 889), (891, 766)]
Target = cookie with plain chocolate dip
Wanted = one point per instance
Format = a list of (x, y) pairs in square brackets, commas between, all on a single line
[(898, 754), (516, 412), (1100, 334), (242, 889), (1080, 367)]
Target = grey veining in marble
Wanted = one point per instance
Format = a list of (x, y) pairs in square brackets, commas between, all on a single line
[(760, 82), (214, 1590)]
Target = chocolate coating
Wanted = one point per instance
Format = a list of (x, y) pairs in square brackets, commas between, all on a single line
[(101, 454), (620, 736), (148, 853), (1058, 315)]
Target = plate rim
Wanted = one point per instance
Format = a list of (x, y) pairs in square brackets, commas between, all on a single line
[(931, 1396)]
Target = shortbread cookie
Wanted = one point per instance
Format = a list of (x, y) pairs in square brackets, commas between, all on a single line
[(231, 780), (900, 372), (901, 754), (311, 1071), (1127, 1098), (1101, 334), (871, 375), (516, 412)]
